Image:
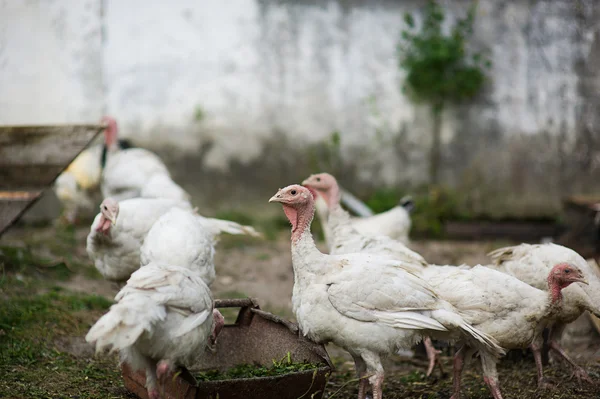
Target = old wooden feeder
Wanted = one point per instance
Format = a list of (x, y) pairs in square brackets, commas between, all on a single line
[(31, 157)]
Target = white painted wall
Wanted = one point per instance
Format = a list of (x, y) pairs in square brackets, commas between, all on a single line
[(257, 67), (50, 61)]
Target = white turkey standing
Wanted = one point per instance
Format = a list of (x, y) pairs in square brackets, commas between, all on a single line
[(512, 312), (530, 263), (344, 239), (394, 223), (127, 171), (364, 303)]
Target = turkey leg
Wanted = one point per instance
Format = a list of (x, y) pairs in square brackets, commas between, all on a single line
[(374, 367), (553, 338), (459, 362), (536, 348), (433, 356), (490, 374), (361, 372), (578, 372), (151, 383)]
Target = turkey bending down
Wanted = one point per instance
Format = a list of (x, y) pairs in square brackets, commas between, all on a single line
[(127, 171), (344, 239), (531, 264), (165, 316), (119, 230), (367, 304), (78, 186), (511, 311), (394, 223)]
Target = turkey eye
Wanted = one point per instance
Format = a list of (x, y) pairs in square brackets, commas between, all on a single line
[(567, 271), (105, 208), (293, 192), (318, 179)]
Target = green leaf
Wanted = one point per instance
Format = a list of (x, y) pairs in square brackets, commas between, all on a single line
[(409, 20), (438, 66)]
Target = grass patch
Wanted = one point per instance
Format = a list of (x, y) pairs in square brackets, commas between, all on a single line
[(34, 318), (517, 380), (279, 367), (22, 260)]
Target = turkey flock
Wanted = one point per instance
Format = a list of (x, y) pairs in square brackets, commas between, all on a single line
[(370, 295)]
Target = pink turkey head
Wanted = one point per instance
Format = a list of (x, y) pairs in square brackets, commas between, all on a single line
[(561, 276), (109, 210), (110, 134), (299, 206), (295, 196), (326, 185)]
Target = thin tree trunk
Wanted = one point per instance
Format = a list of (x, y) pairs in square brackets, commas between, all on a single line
[(435, 153)]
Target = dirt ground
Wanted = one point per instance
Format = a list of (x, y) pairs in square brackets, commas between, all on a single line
[(51, 294)]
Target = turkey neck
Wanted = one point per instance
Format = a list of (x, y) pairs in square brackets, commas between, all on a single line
[(338, 217), (302, 240), (555, 289)]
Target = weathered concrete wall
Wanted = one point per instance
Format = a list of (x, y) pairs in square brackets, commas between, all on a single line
[(50, 61), (272, 77)]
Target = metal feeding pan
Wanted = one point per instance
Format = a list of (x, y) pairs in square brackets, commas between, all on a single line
[(257, 337)]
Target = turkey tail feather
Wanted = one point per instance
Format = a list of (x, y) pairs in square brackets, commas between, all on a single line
[(219, 226), (407, 203), (483, 338), (125, 322)]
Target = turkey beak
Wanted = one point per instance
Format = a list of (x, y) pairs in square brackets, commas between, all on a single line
[(113, 218), (276, 198), (581, 279), (306, 181)]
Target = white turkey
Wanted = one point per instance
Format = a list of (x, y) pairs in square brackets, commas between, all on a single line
[(78, 186), (344, 239), (118, 232), (530, 263), (120, 228), (368, 305), (127, 171), (511, 311), (165, 316), (162, 186), (394, 223)]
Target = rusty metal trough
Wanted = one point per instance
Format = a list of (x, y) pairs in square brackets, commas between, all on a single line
[(31, 157), (257, 337)]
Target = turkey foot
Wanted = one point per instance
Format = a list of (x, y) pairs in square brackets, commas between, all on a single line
[(494, 387), (543, 383), (459, 363), (433, 356), (377, 385), (163, 370), (363, 386), (582, 375), (578, 372)]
